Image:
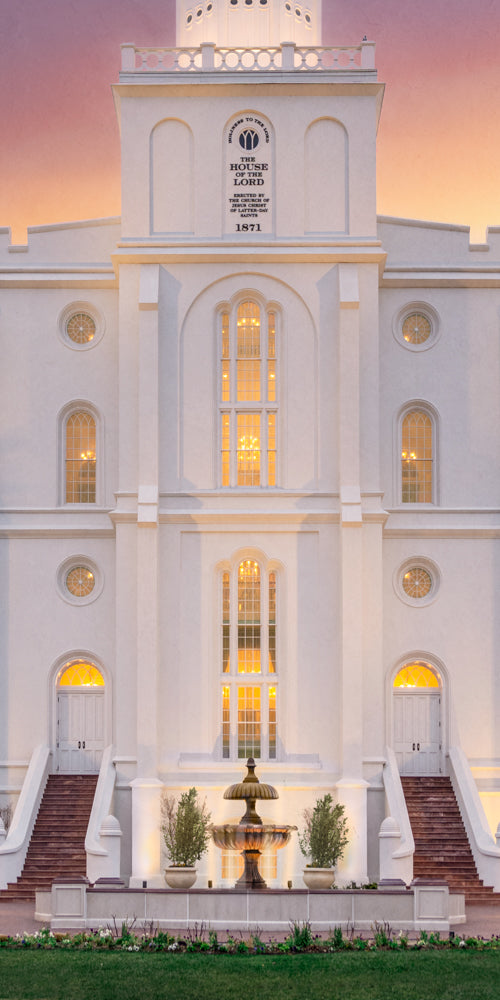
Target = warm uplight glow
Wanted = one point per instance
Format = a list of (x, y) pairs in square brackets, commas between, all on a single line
[(416, 675), (81, 675)]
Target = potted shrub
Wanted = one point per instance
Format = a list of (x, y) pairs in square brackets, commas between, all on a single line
[(323, 839), (184, 828)]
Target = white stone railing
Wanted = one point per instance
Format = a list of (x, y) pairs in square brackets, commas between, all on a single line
[(287, 57), (486, 852), (402, 857), (97, 849), (14, 848)]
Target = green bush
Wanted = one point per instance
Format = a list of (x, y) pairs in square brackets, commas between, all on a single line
[(324, 837), (184, 828)]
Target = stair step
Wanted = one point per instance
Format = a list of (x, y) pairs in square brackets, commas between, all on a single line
[(442, 848), (57, 846)]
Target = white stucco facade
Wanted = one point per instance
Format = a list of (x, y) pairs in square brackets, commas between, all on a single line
[(329, 505)]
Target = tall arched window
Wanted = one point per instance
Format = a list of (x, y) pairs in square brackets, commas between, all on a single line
[(248, 662), (417, 456), (80, 458), (248, 396)]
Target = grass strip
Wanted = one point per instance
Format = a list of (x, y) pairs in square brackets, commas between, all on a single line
[(378, 975)]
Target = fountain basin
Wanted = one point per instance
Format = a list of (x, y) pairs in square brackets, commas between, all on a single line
[(250, 836)]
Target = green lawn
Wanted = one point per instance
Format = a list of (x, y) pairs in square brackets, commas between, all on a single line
[(380, 975)]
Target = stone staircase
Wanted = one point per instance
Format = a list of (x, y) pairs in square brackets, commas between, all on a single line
[(57, 845), (442, 849)]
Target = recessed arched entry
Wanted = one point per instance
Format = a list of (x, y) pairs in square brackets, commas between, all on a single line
[(417, 728), (80, 722)]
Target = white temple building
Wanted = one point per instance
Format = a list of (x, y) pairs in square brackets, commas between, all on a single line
[(250, 476)]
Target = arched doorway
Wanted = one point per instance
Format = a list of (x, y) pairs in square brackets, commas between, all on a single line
[(417, 740), (80, 718)]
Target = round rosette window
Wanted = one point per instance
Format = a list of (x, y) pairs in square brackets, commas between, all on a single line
[(417, 582), (81, 326), (416, 326), (79, 580)]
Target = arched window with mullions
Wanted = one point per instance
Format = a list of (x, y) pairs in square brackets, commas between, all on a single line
[(418, 456), (80, 457), (249, 667), (248, 396)]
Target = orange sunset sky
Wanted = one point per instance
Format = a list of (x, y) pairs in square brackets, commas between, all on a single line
[(439, 137)]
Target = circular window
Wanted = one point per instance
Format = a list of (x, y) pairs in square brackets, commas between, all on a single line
[(308, 18), (416, 326), (79, 580), (416, 582), (81, 326), (189, 18)]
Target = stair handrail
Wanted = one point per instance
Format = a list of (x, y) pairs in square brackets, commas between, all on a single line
[(101, 807), (14, 848), (485, 851), (397, 808)]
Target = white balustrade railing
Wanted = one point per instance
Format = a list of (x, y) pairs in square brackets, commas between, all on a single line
[(285, 58), (14, 848)]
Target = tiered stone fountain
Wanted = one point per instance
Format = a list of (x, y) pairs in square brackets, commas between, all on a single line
[(250, 835)]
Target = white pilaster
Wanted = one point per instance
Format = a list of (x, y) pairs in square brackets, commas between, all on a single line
[(352, 787), (146, 789)]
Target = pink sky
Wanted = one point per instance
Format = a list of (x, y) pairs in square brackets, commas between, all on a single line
[(439, 138)]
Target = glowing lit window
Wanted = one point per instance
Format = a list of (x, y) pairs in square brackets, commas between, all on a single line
[(248, 661), (232, 864), (80, 325), (417, 458), (81, 328), (248, 396), (416, 328), (417, 582), (80, 458), (80, 581), (81, 674), (416, 675)]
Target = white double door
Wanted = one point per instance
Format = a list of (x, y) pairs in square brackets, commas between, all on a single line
[(417, 732), (80, 730)]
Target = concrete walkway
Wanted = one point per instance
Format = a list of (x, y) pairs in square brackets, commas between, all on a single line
[(482, 921)]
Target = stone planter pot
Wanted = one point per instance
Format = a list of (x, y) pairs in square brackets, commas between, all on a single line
[(180, 878), (319, 878)]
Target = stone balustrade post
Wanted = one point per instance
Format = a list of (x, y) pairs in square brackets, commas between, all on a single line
[(128, 57), (389, 839), (110, 837), (288, 55), (208, 55), (367, 55)]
